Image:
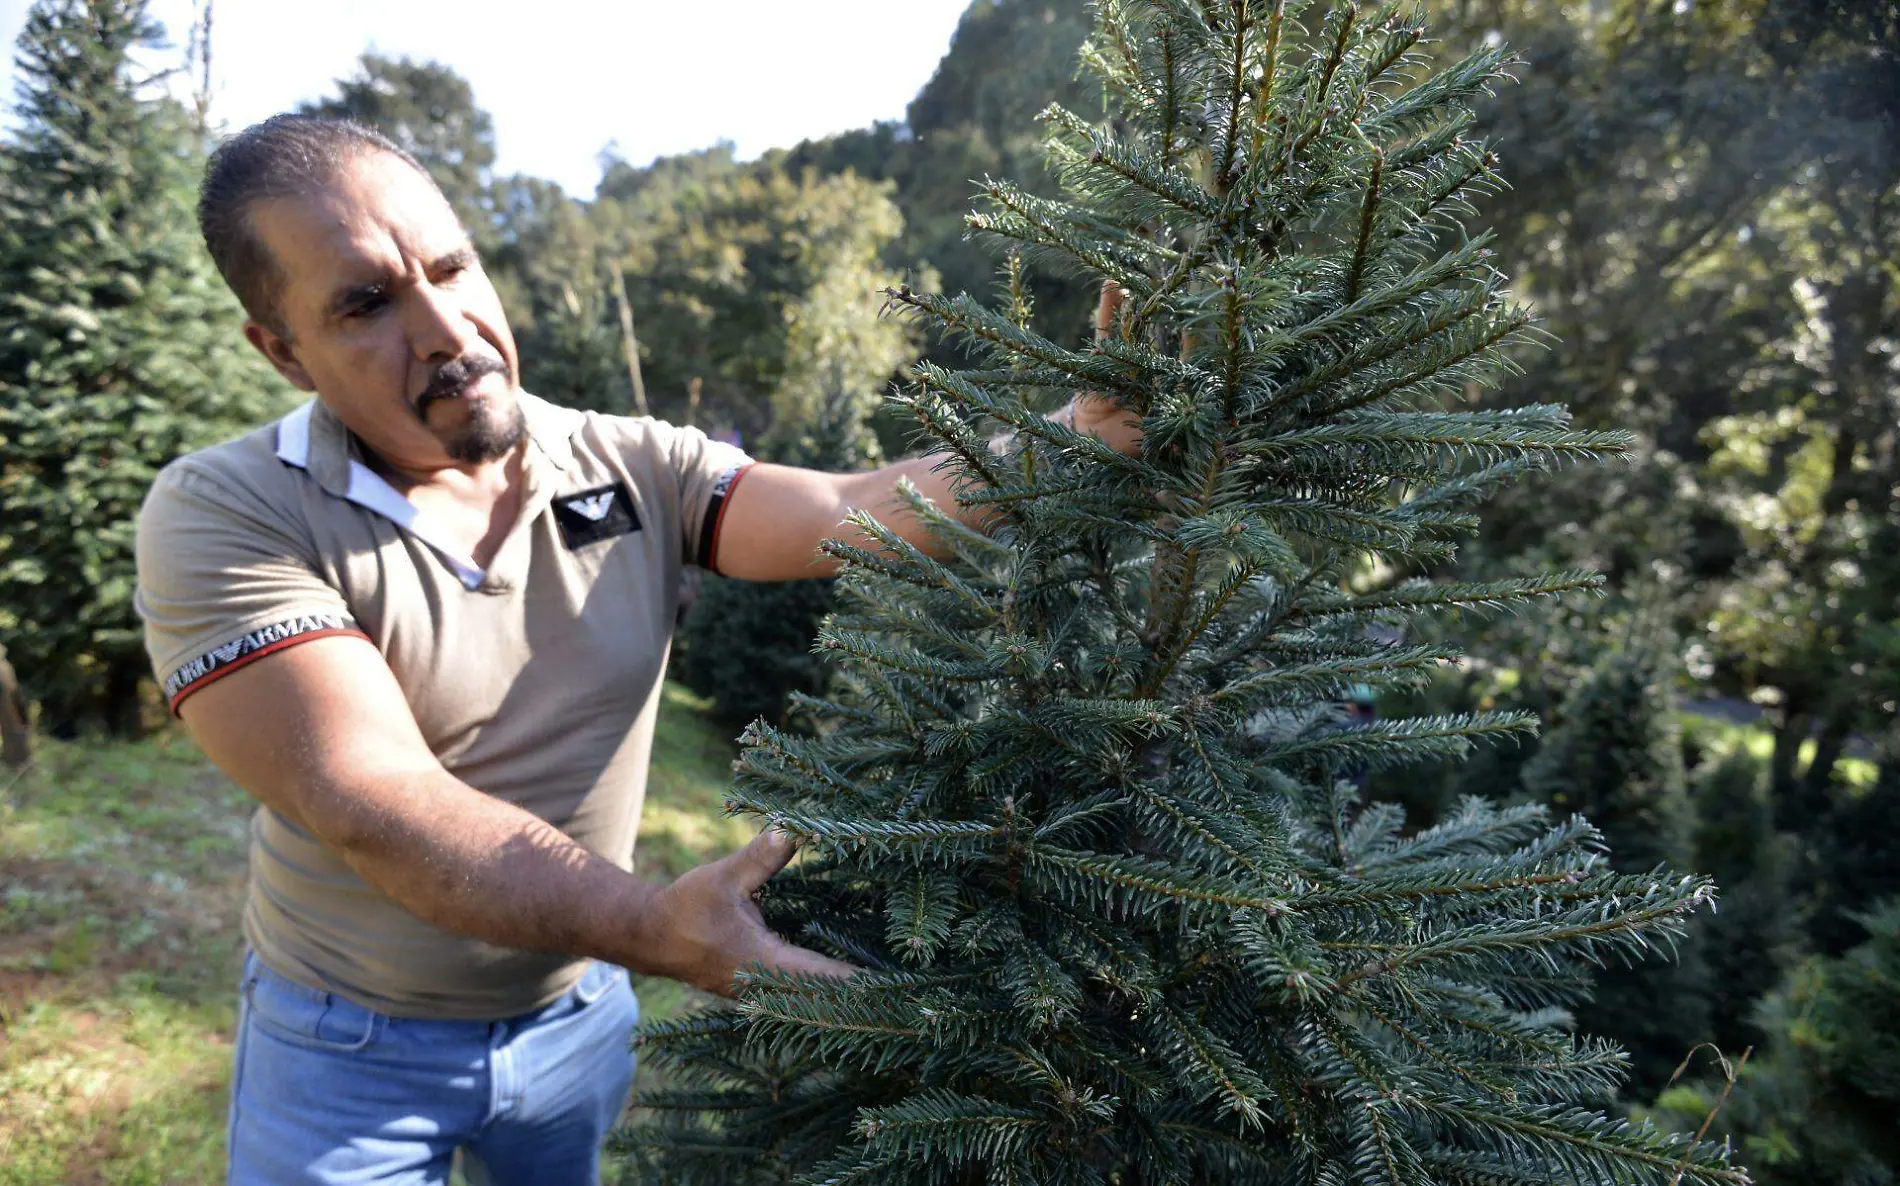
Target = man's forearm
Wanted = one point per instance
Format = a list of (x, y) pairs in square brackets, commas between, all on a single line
[(876, 493), (477, 866), (771, 532)]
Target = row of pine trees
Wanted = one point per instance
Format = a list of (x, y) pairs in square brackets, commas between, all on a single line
[(1137, 901), (119, 349)]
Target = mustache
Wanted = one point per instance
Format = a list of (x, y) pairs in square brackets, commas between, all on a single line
[(456, 374)]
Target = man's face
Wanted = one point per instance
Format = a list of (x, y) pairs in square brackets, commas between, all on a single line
[(390, 318)]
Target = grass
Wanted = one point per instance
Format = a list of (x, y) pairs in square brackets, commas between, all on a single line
[(1719, 738), (122, 871)]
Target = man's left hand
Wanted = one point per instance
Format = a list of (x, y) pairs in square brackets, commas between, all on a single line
[(1096, 415), (705, 927)]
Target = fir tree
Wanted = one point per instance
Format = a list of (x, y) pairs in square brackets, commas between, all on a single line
[(1108, 935), (1615, 756), (1815, 1105), (1851, 855), (1757, 933), (120, 349)]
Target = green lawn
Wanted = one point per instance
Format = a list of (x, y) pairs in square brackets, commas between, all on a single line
[(121, 877)]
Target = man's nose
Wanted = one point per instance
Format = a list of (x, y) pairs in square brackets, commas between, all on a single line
[(438, 331)]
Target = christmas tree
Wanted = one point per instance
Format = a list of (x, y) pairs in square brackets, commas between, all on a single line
[(120, 350), (1078, 808)]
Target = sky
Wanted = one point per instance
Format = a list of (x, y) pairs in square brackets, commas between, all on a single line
[(564, 79)]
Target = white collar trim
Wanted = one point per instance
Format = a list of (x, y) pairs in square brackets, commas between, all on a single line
[(368, 490)]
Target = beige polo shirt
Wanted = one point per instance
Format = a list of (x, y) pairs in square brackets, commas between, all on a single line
[(535, 681)]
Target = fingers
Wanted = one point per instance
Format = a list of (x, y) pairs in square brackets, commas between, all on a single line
[(785, 959), (756, 863), (1107, 307), (804, 962)]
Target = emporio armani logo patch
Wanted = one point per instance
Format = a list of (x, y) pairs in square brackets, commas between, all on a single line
[(594, 515), (594, 507)]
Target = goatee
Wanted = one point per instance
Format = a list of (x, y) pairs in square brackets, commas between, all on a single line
[(487, 435)]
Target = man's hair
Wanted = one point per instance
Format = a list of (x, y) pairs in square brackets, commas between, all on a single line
[(284, 156)]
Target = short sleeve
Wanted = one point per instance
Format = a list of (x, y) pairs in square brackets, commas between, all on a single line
[(223, 581), (708, 472)]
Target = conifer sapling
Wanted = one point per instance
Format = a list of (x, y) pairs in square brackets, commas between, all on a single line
[(1077, 808)]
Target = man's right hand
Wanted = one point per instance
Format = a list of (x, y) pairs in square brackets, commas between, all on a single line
[(706, 926)]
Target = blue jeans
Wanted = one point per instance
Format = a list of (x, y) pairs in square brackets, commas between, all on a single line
[(326, 1091)]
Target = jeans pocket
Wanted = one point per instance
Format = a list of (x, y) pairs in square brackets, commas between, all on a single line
[(596, 980), (309, 1017)]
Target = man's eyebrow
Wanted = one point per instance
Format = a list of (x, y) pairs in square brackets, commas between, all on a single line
[(346, 297), (459, 257)]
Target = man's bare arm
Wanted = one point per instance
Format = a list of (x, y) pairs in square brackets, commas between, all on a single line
[(322, 734), (780, 514)]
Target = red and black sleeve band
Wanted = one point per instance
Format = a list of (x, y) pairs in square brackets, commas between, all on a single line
[(227, 657), (716, 516)]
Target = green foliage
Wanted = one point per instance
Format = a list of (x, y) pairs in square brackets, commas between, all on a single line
[(1614, 755), (121, 350), (430, 111), (1815, 1106), (1701, 208), (1756, 934), (759, 281), (1075, 810), (748, 645), (550, 267), (1853, 855)]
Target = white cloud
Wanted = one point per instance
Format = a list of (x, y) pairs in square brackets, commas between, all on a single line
[(564, 78)]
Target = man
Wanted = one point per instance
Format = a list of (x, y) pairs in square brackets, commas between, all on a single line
[(423, 620)]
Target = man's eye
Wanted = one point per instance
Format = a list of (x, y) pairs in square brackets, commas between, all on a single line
[(367, 306)]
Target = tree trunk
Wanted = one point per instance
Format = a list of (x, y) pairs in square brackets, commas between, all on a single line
[(15, 742), (1783, 787), (1827, 754), (629, 345)]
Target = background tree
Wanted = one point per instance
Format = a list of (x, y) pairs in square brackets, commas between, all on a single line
[(549, 267), (1757, 933), (430, 111), (1851, 856), (1815, 1105), (121, 350), (1109, 935), (723, 261), (748, 645), (1613, 754)]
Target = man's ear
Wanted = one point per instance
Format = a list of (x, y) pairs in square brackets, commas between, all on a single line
[(279, 353)]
